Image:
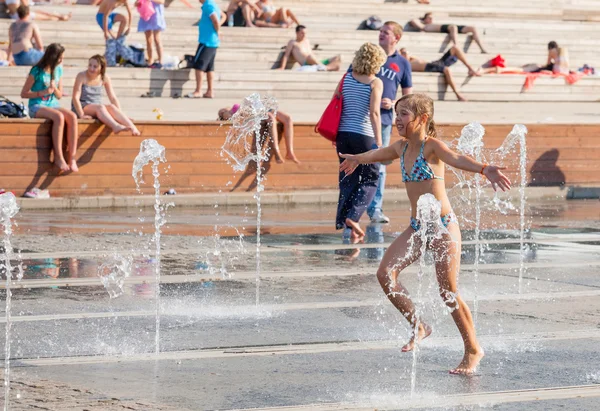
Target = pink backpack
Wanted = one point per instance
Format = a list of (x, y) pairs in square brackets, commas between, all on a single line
[(146, 9)]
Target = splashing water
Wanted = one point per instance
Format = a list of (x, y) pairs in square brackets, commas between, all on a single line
[(152, 152), (246, 127), (470, 143), (113, 274), (8, 209), (518, 135), (431, 228)]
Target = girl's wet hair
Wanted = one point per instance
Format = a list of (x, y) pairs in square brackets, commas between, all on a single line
[(419, 104), (102, 62), (51, 57)]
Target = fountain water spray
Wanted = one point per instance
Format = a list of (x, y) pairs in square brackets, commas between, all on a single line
[(152, 152), (518, 136), (8, 209), (431, 228), (470, 143), (246, 127)]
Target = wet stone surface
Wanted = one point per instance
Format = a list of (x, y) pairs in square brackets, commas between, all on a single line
[(323, 333)]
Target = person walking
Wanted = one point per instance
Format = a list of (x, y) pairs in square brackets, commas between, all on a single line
[(359, 131), (396, 72)]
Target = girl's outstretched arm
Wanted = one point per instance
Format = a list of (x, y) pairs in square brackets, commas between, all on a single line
[(380, 155), (492, 173)]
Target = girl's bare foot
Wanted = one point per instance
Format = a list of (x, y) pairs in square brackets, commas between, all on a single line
[(292, 156), (208, 95), (62, 165), (119, 129), (424, 332), (469, 363), (278, 157), (73, 165), (474, 73), (461, 98), (356, 230), (135, 131), (65, 17)]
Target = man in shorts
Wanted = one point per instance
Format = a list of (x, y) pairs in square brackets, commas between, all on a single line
[(299, 50), (208, 39), (442, 66), (394, 73)]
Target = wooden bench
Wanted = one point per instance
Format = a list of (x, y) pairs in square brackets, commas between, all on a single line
[(557, 154)]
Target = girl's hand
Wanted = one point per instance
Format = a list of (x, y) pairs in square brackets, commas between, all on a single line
[(497, 178), (349, 164)]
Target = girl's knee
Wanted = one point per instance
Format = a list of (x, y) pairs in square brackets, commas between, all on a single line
[(383, 276), (449, 298)]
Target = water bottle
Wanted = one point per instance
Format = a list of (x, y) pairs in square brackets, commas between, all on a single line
[(230, 20)]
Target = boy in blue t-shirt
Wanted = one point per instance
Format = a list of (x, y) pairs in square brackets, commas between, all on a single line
[(208, 42), (394, 73)]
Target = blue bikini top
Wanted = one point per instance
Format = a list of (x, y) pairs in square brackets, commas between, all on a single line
[(421, 171)]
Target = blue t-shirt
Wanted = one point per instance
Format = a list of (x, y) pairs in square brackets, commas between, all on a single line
[(395, 72), (41, 81), (207, 34)]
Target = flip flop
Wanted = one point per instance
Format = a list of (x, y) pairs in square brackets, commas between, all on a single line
[(191, 95)]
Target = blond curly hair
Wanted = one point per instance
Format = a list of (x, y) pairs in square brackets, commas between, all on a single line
[(368, 59)]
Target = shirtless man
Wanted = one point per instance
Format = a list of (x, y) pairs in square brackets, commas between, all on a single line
[(442, 66), (426, 24), (106, 18), (12, 5), (20, 36), (302, 52)]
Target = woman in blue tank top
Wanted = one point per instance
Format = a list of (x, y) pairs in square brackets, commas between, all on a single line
[(359, 131)]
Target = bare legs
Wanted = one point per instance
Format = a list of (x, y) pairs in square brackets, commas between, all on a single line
[(112, 117), (452, 84), (153, 38), (447, 264), (274, 137), (209, 79), (288, 135), (455, 51), (123, 21), (60, 118), (453, 31), (473, 31), (447, 256)]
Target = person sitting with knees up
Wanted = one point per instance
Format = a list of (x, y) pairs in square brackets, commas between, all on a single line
[(278, 117), (87, 98), (425, 23), (442, 66), (44, 88)]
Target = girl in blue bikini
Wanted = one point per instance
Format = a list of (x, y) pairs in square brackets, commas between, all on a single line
[(427, 155)]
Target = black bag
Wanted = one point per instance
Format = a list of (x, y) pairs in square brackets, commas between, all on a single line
[(187, 62), (11, 109)]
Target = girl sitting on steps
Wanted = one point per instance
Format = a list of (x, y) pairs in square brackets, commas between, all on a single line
[(87, 98)]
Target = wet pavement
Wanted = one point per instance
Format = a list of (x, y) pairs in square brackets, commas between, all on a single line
[(323, 336)]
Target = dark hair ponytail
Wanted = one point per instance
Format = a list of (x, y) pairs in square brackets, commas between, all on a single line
[(50, 58), (102, 61)]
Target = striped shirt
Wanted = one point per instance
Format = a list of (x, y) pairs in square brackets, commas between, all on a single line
[(355, 108)]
